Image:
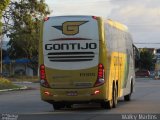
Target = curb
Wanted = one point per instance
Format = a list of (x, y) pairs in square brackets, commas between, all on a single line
[(24, 82), (15, 89)]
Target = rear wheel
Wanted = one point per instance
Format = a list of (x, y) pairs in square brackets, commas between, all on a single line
[(107, 104), (113, 102), (58, 105), (115, 97), (128, 97), (68, 105)]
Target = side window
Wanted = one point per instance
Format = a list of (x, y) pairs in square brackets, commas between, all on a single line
[(136, 54), (108, 37), (111, 38), (129, 45)]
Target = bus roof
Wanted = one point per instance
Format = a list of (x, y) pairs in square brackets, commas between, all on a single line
[(117, 25), (111, 22)]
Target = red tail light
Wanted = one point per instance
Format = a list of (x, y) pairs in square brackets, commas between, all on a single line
[(43, 80), (100, 78), (94, 17), (46, 18)]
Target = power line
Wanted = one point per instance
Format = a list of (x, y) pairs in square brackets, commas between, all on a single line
[(143, 24), (147, 43)]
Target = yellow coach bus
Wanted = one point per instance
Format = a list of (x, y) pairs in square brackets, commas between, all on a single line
[(85, 59)]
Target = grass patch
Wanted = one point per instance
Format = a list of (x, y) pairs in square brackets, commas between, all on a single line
[(24, 79), (7, 84)]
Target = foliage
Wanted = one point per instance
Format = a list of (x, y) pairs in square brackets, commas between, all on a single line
[(6, 84), (3, 5), (4, 53), (23, 78), (26, 16), (146, 59)]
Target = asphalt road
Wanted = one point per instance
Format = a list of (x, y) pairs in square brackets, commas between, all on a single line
[(27, 105)]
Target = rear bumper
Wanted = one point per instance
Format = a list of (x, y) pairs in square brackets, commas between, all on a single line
[(80, 96)]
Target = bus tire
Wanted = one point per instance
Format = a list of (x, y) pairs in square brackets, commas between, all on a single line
[(128, 97), (107, 104), (114, 96), (58, 105), (68, 105), (113, 102)]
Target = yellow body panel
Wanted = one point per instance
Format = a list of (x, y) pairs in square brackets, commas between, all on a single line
[(83, 95), (71, 78), (117, 66)]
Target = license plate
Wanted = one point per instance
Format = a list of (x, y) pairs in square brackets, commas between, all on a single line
[(72, 93)]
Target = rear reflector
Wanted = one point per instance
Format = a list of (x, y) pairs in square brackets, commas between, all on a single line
[(96, 92), (47, 93)]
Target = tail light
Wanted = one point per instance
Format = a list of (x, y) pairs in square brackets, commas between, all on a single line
[(94, 17), (43, 80), (100, 78), (46, 18)]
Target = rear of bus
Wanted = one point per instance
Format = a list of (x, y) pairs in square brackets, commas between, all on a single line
[(71, 69)]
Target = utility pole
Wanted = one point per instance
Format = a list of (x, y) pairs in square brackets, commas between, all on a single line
[(1, 45)]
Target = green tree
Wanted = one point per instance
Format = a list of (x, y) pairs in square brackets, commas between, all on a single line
[(146, 59), (24, 34), (3, 5)]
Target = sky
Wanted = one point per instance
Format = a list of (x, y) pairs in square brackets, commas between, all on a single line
[(141, 16)]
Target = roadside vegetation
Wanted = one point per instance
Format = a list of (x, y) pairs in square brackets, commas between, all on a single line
[(7, 84), (22, 26), (147, 60), (22, 78), (20, 21)]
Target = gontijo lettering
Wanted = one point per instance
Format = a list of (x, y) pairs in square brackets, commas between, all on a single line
[(70, 46)]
